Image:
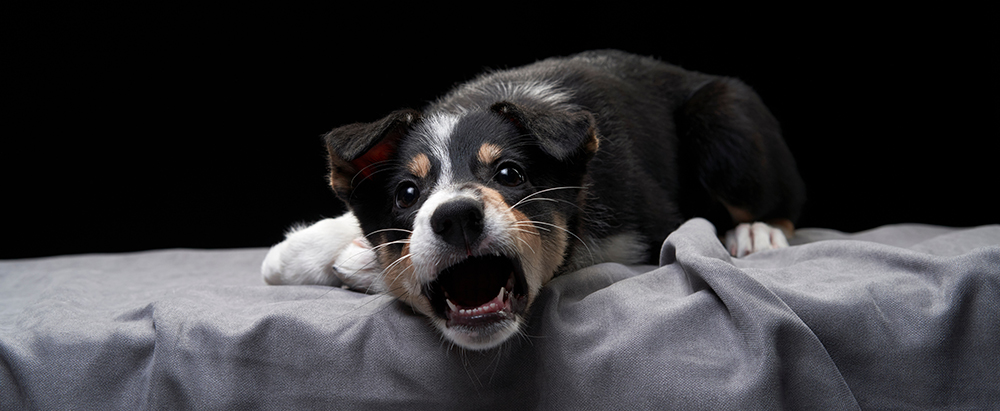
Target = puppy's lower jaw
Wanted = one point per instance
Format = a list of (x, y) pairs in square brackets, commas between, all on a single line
[(484, 338), (479, 303)]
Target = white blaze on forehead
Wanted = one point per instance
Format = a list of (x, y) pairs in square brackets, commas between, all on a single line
[(543, 91), (533, 91), (480, 94), (435, 132)]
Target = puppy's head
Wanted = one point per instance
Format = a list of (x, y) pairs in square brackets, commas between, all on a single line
[(469, 214)]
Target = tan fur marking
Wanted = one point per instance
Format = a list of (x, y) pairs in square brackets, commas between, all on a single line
[(488, 153), (420, 165), (399, 280), (593, 143), (340, 181), (542, 248), (340, 175)]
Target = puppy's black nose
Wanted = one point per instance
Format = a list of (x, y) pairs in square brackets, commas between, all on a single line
[(459, 222)]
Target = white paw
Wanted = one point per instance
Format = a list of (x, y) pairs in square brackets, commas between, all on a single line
[(357, 267), (315, 255), (748, 238)]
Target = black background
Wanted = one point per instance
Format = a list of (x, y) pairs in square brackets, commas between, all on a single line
[(131, 129)]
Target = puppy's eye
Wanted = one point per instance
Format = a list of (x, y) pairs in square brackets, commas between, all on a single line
[(407, 195), (510, 175)]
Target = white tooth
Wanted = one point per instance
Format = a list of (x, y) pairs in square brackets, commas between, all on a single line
[(451, 306), (500, 296)]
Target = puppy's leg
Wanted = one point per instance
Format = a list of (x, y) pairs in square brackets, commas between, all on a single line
[(734, 156), (330, 252)]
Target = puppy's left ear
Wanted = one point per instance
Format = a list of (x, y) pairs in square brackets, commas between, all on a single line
[(565, 135), (356, 151)]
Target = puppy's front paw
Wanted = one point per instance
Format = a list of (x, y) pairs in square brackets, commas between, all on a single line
[(308, 255), (750, 238), (357, 267)]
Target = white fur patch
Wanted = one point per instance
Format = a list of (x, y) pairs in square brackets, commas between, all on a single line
[(436, 131), (358, 268), (491, 90), (543, 91), (311, 255), (750, 238)]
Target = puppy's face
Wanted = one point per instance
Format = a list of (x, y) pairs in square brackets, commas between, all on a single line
[(468, 214)]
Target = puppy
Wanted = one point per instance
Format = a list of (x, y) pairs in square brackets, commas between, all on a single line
[(466, 209)]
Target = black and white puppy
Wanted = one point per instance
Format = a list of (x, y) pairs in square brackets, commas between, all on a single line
[(466, 209)]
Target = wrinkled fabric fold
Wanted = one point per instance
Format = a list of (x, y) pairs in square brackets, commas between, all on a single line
[(897, 317)]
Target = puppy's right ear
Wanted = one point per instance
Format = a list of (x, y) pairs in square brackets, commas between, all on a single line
[(356, 151)]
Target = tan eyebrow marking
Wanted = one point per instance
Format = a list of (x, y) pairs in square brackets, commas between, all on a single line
[(489, 152), (420, 165)]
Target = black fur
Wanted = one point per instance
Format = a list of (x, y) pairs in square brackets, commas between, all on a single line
[(672, 144)]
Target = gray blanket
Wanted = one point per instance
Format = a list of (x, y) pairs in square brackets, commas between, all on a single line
[(901, 317)]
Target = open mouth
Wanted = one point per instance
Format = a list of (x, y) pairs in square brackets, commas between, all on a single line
[(479, 292)]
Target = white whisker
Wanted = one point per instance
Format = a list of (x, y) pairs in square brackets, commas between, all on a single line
[(381, 276), (531, 223), (593, 260), (523, 200), (383, 245), (521, 230), (526, 245), (359, 254), (387, 230)]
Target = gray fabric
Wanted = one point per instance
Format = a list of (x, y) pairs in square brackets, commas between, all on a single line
[(902, 317)]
